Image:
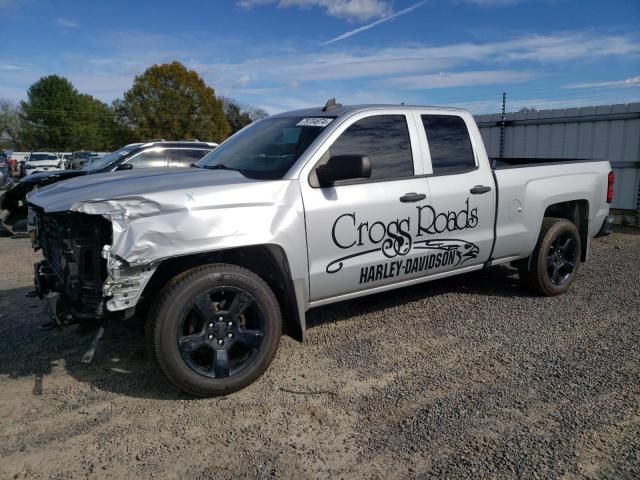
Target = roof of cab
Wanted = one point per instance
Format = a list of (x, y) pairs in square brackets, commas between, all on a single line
[(339, 110)]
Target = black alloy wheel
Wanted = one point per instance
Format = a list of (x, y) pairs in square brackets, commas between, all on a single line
[(552, 266), (561, 259), (214, 329), (222, 332)]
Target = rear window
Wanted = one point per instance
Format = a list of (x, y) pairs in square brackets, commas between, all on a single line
[(449, 144), (42, 156)]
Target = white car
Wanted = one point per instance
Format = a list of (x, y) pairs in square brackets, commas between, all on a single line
[(43, 162)]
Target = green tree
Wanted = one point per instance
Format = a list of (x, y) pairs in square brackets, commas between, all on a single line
[(95, 127), (49, 113), (172, 102), (239, 115), (11, 125), (235, 116), (56, 116)]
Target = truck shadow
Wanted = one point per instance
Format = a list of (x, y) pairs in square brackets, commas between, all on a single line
[(121, 364), (498, 281), (27, 350)]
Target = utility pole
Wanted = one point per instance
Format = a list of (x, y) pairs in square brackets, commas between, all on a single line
[(502, 121)]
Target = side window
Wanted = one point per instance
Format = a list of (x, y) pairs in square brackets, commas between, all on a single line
[(187, 157), (382, 138), (173, 158), (449, 143), (149, 158)]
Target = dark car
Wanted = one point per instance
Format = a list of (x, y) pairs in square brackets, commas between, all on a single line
[(79, 160), (135, 155), (4, 169)]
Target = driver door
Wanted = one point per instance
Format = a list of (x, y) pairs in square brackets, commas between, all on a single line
[(359, 231)]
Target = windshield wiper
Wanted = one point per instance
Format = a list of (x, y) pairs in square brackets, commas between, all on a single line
[(219, 166)]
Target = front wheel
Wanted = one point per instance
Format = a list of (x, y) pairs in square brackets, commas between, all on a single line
[(214, 329), (552, 266)]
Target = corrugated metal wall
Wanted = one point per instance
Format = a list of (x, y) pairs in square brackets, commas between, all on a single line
[(610, 132)]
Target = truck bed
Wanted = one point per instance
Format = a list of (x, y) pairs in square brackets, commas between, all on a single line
[(525, 191), (521, 162)]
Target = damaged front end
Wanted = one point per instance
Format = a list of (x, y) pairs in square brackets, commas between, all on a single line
[(73, 271), (79, 276)]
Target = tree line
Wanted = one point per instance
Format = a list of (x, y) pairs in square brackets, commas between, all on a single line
[(167, 101)]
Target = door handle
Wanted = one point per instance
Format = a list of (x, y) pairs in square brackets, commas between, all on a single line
[(480, 189), (412, 197)]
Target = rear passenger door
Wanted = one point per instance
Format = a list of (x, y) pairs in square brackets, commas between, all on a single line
[(184, 157), (192, 155), (152, 157), (359, 232), (460, 218)]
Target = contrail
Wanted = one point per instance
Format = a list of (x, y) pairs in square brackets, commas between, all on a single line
[(374, 24)]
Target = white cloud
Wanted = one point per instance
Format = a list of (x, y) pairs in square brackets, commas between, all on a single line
[(10, 66), (289, 77), (351, 10), (66, 23), (539, 103), (384, 19), (242, 81), (459, 79), (422, 59), (628, 82)]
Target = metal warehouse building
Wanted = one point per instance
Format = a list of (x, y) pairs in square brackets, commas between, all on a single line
[(608, 132)]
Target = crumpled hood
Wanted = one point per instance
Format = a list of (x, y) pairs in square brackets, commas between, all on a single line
[(161, 213), (46, 178), (154, 182)]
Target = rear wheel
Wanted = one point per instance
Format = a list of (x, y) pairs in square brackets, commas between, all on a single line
[(552, 266), (214, 329)]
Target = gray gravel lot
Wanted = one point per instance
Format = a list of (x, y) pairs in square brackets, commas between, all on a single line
[(467, 377)]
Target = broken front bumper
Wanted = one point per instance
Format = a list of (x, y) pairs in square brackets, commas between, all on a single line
[(63, 309)]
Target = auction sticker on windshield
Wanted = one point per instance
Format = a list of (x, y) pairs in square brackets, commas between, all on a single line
[(314, 122)]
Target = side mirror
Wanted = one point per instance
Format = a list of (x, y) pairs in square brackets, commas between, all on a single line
[(343, 167), (124, 166)]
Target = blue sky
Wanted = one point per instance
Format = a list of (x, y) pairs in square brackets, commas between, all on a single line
[(286, 54)]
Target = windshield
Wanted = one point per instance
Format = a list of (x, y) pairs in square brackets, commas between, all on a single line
[(102, 162), (42, 156), (266, 149)]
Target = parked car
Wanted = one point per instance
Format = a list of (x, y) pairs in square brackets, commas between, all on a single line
[(93, 158), (299, 210), (21, 164), (67, 159), (135, 155), (79, 159), (39, 162), (4, 169)]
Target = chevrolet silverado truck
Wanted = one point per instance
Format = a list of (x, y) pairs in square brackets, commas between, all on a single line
[(303, 209)]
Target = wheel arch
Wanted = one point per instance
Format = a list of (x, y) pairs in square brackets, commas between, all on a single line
[(577, 212), (268, 261)]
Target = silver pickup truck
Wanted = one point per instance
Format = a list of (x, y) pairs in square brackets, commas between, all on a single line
[(299, 210)]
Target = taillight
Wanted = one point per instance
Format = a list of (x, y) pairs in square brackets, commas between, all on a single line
[(610, 187)]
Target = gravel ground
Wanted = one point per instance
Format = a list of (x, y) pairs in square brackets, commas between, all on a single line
[(467, 377)]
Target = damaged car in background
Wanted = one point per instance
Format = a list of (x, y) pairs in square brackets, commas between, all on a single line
[(136, 155), (299, 210)]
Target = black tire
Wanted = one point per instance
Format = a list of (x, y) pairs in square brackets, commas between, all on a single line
[(214, 329), (552, 267)]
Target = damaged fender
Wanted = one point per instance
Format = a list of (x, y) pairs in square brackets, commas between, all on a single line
[(148, 229)]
